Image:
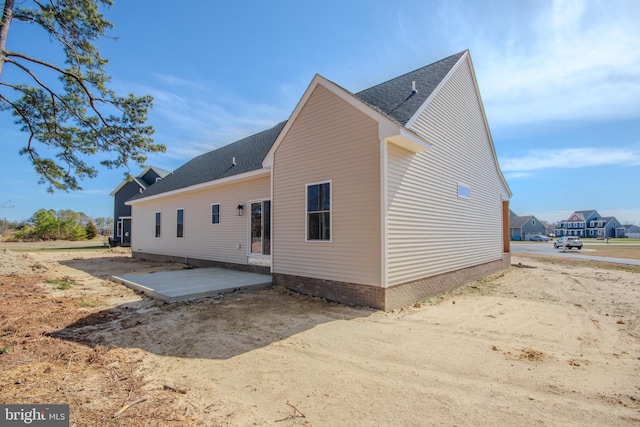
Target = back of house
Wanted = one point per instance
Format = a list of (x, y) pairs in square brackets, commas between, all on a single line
[(378, 198)]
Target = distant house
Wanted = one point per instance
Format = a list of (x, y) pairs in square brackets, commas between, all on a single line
[(589, 223), (362, 198), (127, 189), (631, 231), (524, 227)]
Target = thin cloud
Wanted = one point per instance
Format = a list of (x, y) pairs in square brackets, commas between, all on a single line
[(192, 118), (537, 61), (581, 61), (579, 158)]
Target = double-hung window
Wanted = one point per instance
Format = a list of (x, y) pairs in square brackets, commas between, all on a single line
[(319, 211), (180, 223), (215, 213), (158, 215)]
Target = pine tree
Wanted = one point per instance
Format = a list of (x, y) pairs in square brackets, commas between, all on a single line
[(69, 121)]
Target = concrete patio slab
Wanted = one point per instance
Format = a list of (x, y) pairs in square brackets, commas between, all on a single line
[(181, 285)]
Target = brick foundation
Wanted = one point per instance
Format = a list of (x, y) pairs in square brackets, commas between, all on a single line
[(342, 292), (353, 293), (408, 293), (201, 263), (395, 296)]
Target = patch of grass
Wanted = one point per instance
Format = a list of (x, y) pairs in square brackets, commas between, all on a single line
[(5, 350), (62, 284), (85, 302), (580, 262), (61, 249)]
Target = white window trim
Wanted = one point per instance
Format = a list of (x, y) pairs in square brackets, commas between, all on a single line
[(155, 215), (183, 223), (306, 211), (468, 190), (219, 213)]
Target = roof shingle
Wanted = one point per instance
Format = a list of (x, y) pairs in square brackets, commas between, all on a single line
[(393, 98)]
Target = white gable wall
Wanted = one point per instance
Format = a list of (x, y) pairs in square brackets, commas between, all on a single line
[(202, 239), (430, 230)]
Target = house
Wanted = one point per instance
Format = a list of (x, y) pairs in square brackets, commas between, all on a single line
[(524, 227), (128, 188), (589, 223), (631, 231), (365, 199)]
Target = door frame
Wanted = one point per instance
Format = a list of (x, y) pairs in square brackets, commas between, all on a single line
[(250, 252)]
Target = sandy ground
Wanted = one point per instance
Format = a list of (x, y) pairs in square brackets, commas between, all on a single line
[(538, 344)]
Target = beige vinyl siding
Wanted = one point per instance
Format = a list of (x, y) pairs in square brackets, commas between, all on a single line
[(202, 239), (329, 141), (430, 229)]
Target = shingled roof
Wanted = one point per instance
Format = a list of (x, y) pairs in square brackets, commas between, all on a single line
[(218, 164), (518, 221), (394, 98)]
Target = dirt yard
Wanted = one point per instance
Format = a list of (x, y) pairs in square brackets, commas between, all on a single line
[(539, 344)]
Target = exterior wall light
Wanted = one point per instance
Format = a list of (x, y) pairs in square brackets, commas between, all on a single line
[(239, 210)]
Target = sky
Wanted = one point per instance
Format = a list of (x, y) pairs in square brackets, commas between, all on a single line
[(560, 83)]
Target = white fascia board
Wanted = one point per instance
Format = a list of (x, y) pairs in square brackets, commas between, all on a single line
[(466, 57), (486, 125), (209, 184), (409, 141), (344, 95), (122, 184), (435, 92), (115, 190)]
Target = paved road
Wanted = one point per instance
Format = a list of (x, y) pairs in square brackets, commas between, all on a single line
[(549, 250)]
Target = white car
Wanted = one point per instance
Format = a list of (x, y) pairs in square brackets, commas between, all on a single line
[(568, 242)]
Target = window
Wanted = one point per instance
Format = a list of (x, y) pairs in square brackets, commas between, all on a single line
[(180, 223), (533, 222), (157, 224), (215, 213), (119, 229), (464, 191), (319, 211)]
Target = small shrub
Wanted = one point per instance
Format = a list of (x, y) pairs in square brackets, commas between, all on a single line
[(62, 284), (91, 230)]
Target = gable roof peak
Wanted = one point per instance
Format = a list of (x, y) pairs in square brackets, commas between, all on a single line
[(400, 97)]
